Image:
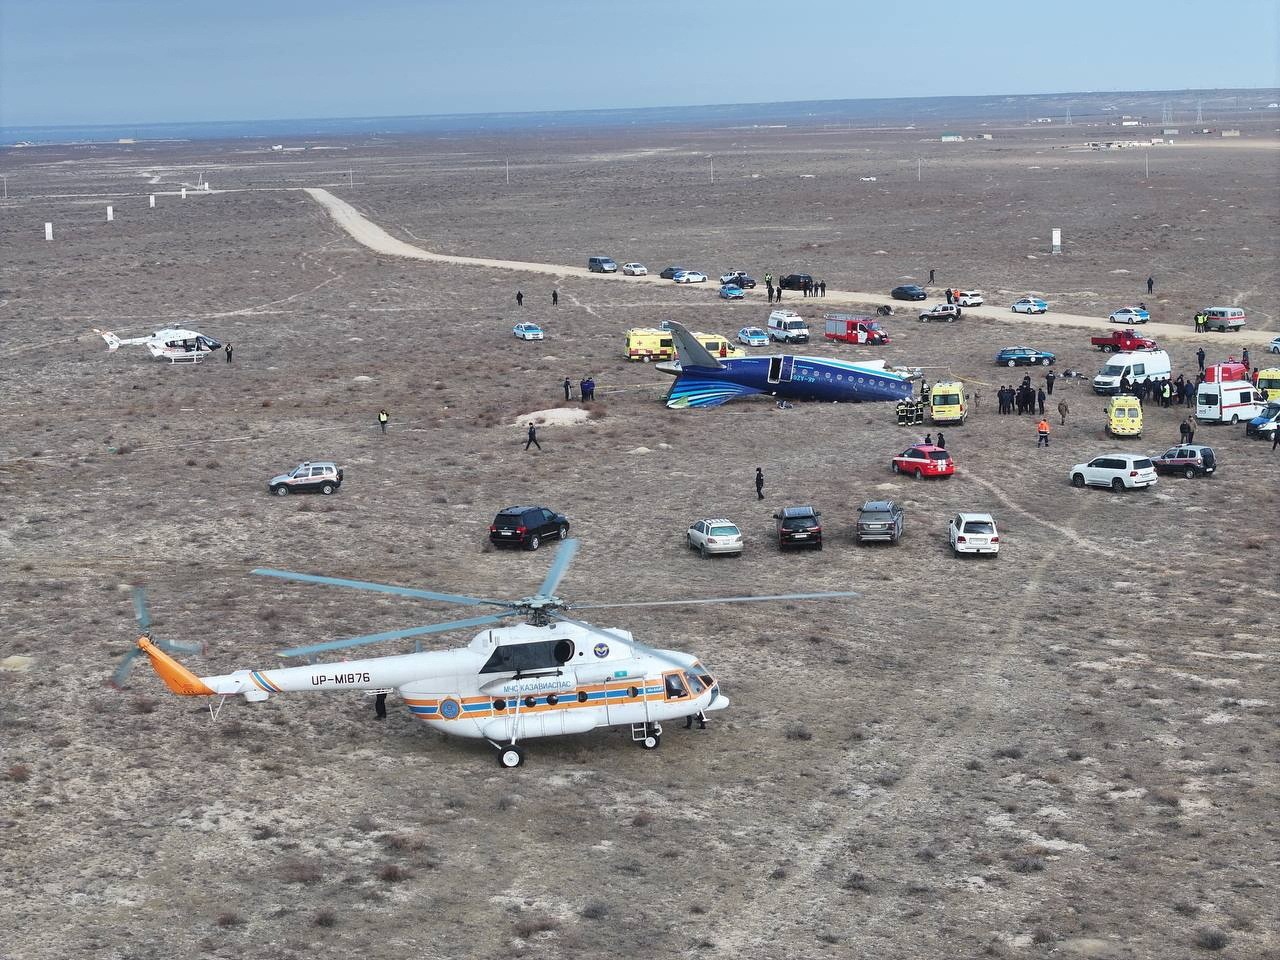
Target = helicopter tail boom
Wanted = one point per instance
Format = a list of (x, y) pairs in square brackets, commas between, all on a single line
[(176, 677)]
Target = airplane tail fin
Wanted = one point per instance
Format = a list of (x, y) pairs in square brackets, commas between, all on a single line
[(175, 676), (113, 342), (692, 353)]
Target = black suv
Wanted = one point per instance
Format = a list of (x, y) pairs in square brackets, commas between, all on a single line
[(795, 281), (527, 527), (799, 527)]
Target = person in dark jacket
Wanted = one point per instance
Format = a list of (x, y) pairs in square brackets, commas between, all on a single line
[(759, 484), (533, 438), (519, 298), (1048, 382), (568, 389), (1040, 398)]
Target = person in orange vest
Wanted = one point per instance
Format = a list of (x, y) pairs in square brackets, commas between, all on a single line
[(1042, 432)]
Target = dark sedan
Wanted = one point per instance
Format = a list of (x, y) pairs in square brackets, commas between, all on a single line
[(670, 272), (1024, 357), (909, 291)]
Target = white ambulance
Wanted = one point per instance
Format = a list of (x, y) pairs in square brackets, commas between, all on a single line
[(1227, 402)]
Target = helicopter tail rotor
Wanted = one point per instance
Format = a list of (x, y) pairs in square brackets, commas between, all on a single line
[(142, 614)]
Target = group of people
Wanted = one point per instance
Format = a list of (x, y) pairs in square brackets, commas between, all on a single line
[(811, 288), (586, 388), (1162, 391), (555, 298), (1024, 398)]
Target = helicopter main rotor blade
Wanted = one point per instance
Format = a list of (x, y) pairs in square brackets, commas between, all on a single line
[(686, 602), (564, 556), (395, 635), (140, 611), (380, 588)]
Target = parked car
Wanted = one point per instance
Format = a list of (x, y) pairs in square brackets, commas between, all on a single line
[(670, 273), (1189, 459), (909, 291), (799, 527), (738, 279), (973, 533), (1119, 471), (730, 292), (969, 298), (923, 460), (601, 265), (715, 536), (320, 476), (635, 270), (1274, 345), (1024, 357), (795, 281), (753, 337), (1265, 424), (1130, 316), (946, 312), (1030, 305), (879, 520), (527, 331), (1122, 341), (527, 527), (689, 276)]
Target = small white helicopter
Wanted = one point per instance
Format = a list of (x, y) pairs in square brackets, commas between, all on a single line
[(549, 676), (176, 346)]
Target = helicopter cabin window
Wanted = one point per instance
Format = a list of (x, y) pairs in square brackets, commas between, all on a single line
[(523, 657), (675, 686)]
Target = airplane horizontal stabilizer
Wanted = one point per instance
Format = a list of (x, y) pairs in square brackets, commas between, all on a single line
[(694, 391)]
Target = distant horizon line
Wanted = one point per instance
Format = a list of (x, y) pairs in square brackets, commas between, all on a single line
[(491, 114)]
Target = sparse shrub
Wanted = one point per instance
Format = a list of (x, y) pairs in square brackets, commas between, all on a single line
[(392, 873), (642, 819), (229, 918), (1166, 798), (143, 705), (264, 832), (506, 802), (887, 779), (266, 403), (1041, 937), (19, 773), (857, 882), (300, 872), (1075, 755), (973, 763), (1013, 752), (797, 731), (268, 614), (778, 873), (326, 918), (191, 461), (1028, 865), (698, 908), (1185, 908), (527, 927), (1211, 938), (595, 910), (123, 449), (213, 465)]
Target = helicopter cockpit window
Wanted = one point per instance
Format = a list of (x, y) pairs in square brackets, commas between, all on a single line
[(698, 678), (523, 657), (675, 686)]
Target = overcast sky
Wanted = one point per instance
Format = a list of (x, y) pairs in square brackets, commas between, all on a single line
[(142, 61)]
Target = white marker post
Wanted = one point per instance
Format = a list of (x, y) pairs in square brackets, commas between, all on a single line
[(48, 231), (153, 199), (184, 193), (111, 214), (1057, 240)]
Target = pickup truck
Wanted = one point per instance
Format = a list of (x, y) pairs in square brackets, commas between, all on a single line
[(1118, 341), (848, 328)]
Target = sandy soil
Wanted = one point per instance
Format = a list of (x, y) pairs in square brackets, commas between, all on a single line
[(1070, 750)]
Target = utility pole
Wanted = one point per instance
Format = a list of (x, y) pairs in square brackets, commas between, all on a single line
[(6, 187), (351, 178), (1148, 155), (712, 161), (508, 163), (918, 162)]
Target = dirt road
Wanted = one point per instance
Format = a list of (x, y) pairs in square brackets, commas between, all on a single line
[(368, 233)]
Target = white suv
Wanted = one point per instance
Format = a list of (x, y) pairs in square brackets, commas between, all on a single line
[(1119, 471), (974, 533), (322, 476), (715, 536), (970, 298)]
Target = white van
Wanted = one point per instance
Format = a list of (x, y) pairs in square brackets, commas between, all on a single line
[(1228, 402), (1223, 319), (1136, 365), (787, 326)]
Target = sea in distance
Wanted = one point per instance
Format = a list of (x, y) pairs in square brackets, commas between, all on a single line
[(903, 112)]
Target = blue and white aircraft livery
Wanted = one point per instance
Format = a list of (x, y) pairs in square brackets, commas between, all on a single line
[(706, 381)]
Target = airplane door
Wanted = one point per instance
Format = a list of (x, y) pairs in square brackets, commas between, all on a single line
[(780, 369)]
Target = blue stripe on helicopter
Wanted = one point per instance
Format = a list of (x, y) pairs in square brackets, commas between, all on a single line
[(541, 701), (264, 682)]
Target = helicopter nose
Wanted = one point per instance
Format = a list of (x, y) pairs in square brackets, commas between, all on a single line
[(718, 702)]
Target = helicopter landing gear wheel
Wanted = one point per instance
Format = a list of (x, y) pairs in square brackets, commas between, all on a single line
[(510, 756), (652, 741)]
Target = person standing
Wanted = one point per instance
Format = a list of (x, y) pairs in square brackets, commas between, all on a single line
[(555, 298), (759, 484), (1048, 382), (568, 389), (228, 349), (1063, 411), (1151, 285), (769, 288), (700, 717), (532, 438), (380, 706), (591, 387), (948, 294), (1275, 440), (942, 441), (931, 274), (1040, 398), (383, 417), (519, 298), (768, 279), (1200, 358), (928, 439), (1191, 429), (823, 285), (1244, 357), (1042, 433), (582, 390), (1183, 429)]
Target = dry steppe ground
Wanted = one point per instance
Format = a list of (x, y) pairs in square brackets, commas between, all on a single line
[(1069, 751)]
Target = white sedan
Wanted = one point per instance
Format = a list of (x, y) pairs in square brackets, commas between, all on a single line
[(973, 533), (527, 331), (753, 337), (1275, 345), (634, 270), (970, 298), (1130, 315), (1030, 305), (690, 276)]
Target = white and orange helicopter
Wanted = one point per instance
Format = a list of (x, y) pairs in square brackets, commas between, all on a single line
[(176, 346), (548, 676)]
